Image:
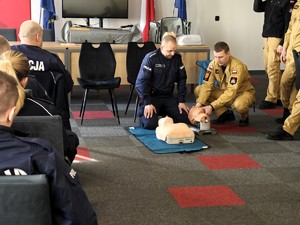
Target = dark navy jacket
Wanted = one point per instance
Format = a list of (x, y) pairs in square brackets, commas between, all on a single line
[(21, 156), (158, 75), (277, 16), (43, 60)]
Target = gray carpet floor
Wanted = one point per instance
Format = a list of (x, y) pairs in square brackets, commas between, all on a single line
[(242, 179)]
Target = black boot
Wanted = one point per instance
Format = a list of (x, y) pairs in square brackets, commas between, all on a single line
[(280, 134), (286, 113), (225, 117)]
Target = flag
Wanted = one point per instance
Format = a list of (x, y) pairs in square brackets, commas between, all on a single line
[(147, 16), (48, 15), (181, 6)]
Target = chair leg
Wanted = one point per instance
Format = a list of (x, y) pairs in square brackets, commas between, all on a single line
[(84, 104), (136, 107), (129, 98), (82, 100), (114, 101)]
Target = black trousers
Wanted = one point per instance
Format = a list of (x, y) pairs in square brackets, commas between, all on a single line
[(297, 65), (165, 106)]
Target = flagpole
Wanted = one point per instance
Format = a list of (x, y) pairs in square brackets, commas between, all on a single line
[(174, 9)]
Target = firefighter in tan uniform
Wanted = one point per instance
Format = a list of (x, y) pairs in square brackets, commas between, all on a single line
[(291, 124), (288, 90), (235, 90)]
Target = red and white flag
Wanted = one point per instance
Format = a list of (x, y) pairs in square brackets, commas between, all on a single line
[(147, 16)]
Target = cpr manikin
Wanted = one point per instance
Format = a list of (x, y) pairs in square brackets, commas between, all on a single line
[(197, 116), (174, 133)]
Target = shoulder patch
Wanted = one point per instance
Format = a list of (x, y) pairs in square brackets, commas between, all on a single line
[(207, 75), (233, 80), (211, 67), (147, 68)]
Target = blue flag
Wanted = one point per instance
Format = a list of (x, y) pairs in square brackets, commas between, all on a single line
[(181, 6), (48, 15)]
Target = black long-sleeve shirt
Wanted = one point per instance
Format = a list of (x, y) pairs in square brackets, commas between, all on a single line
[(277, 16)]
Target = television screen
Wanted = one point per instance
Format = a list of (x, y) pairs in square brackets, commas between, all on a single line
[(95, 8)]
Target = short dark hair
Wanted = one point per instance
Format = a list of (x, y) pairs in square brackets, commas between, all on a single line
[(220, 46), (8, 92)]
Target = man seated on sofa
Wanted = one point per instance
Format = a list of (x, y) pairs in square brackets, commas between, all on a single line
[(21, 155)]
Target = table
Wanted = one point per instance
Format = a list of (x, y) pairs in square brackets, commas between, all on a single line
[(69, 54)]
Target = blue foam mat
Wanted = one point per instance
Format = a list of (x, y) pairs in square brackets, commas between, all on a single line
[(148, 138)]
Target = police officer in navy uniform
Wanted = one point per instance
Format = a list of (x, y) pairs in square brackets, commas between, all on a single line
[(31, 36), (22, 156), (41, 60), (16, 63), (159, 72)]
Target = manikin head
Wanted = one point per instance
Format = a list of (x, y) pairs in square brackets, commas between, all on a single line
[(197, 115)]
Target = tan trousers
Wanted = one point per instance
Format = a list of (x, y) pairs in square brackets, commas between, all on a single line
[(292, 123), (288, 89), (272, 68), (241, 103)]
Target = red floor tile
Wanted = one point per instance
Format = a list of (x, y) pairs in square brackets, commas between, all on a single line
[(271, 112), (94, 115), (221, 162), (233, 128), (82, 154), (253, 80), (203, 196)]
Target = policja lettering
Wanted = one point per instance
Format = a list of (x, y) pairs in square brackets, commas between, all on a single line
[(36, 65)]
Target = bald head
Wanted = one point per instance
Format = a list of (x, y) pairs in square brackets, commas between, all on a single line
[(168, 45), (4, 44), (31, 33)]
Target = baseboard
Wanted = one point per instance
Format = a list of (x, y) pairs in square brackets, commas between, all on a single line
[(256, 72)]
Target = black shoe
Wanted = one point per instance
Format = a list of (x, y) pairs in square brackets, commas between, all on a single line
[(225, 117), (285, 115), (280, 135), (244, 123), (267, 105), (279, 103)]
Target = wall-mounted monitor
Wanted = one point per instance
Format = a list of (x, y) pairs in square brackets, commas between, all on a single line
[(95, 8)]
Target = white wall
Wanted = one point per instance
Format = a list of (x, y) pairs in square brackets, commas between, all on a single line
[(239, 26)]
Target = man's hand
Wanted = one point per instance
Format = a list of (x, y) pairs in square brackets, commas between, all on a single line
[(283, 55), (207, 109), (279, 49), (182, 106), (149, 110), (198, 105)]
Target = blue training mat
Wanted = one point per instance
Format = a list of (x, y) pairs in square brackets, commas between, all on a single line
[(148, 138)]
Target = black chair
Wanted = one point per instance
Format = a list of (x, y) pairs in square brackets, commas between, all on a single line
[(135, 55), (9, 33), (25, 200), (46, 127), (47, 35), (97, 70), (56, 86)]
